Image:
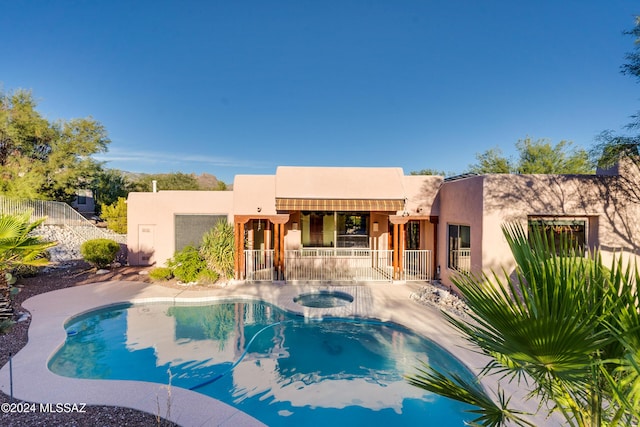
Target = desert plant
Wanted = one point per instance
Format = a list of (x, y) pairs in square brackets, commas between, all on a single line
[(218, 248), (187, 264), (5, 325), (160, 273), (566, 325), (115, 215), (208, 276), (18, 246), (99, 252)]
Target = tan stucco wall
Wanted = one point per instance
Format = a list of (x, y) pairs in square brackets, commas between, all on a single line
[(489, 201), (339, 182), (154, 213), (460, 202), (420, 192), (254, 195)]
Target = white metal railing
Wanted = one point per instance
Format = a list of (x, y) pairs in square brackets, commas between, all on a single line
[(259, 265), (338, 264), (58, 213), (460, 259), (417, 265)]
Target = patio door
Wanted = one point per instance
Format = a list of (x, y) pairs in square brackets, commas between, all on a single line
[(316, 229)]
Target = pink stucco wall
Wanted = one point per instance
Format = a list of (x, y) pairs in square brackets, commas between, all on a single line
[(151, 225), (484, 203), (487, 202), (460, 202)]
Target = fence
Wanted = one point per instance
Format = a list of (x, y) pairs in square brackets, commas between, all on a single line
[(60, 214), (259, 265), (337, 264), (417, 265), (460, 259)]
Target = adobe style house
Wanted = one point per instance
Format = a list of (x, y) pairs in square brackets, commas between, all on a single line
[(378, 224)]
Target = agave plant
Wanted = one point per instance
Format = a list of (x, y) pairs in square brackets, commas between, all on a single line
[(218, 248), (566, 325), (17, 247)]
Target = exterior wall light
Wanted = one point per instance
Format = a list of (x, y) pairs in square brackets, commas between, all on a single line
[(375, 226)]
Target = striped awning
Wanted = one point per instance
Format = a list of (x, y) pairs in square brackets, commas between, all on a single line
[(285, 204)]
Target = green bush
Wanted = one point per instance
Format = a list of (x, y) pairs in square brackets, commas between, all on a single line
[(218, 247), (99, 252), (5, 325), (160, 273), (187, 264), (115, 215), (208, 277)]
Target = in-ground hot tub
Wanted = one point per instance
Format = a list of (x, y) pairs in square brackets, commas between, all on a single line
[(324, 299)]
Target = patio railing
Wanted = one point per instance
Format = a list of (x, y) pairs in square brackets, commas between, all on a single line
[(337, 264), (460, 259), (259, 265), (417, 265)]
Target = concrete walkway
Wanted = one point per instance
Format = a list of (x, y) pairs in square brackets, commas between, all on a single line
[(32, 380)]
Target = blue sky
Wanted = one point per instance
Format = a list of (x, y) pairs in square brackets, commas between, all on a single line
[(229, 87)]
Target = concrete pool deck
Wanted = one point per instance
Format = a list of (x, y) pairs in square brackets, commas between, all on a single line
[(34, 382)]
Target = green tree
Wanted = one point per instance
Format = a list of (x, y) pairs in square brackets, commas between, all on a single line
[(542, 157), (566, 326), (429, 171), (536, 157), (492, 161), (115, 215), (166, 181), (40, 159), (18, 246), (610, 147), (108, 186)]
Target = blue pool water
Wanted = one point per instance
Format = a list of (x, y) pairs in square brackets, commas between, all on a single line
[(278, 367)]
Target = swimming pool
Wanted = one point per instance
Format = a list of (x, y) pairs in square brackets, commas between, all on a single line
[(280, 368)]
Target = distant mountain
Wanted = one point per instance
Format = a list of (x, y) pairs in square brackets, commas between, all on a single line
[(205, 181)]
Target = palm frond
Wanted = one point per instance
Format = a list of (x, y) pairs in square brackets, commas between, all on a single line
[(457, 388)]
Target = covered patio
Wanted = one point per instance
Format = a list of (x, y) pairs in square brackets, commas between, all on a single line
[(332, 224)]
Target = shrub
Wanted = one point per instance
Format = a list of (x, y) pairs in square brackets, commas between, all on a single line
[(218, 247), (115, 215), (208, 277), (5, 325), (100, 252), (187, 264), (160, 273)]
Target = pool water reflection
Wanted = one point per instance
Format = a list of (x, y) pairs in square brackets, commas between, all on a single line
[(280, 368)]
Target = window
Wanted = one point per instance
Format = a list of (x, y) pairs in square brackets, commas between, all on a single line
[(353, 230), (459, 247), (189, 229), (559, 230), (82, 200), (335, 229), (413, 235)]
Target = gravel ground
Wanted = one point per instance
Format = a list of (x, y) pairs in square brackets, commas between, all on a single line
[(64, 275)]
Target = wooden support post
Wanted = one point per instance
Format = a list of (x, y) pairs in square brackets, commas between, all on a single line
[(401, 244), (395, 251), (281, 256), (276, 248), (241, 266)]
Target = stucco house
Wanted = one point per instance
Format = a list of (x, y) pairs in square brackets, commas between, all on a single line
[(378, 224)]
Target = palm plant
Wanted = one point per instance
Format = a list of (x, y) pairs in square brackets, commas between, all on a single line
[(17, 247), (565, 325)]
